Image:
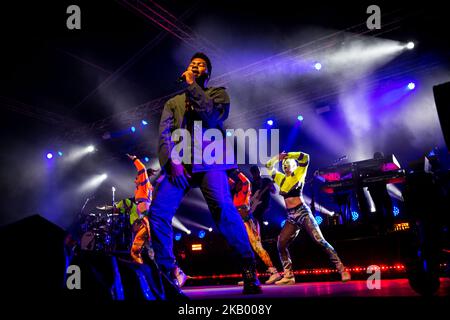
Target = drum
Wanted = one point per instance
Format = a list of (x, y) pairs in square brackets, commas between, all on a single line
[(96, 240), (105, 231), (122, 233), (96, 220)]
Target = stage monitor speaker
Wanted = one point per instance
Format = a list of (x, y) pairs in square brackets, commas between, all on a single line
[(33, 259), (442, 100), (105, 277), (34, 266)]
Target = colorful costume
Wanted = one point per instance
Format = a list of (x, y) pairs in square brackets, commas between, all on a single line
[(241, 200), (143, 198)]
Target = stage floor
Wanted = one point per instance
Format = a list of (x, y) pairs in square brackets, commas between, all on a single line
[(357, 288)]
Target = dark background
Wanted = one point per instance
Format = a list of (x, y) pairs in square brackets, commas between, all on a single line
[(60, 88)]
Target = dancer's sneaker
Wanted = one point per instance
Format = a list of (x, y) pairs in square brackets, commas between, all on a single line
[(274, 276), (288, 278)]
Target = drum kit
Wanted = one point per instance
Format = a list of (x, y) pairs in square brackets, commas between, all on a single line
[(105, 229)]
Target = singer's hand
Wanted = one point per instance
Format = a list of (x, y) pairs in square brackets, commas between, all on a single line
[(189, 76), (178, 175)]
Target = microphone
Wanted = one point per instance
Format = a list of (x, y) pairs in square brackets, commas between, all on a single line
[(181, 79)]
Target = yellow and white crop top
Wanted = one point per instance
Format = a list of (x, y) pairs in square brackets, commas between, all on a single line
[(292, 185)]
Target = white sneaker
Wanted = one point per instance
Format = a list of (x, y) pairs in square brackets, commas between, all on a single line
[(286, 281), (273, 278)]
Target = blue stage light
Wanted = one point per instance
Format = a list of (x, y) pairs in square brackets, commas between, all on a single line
[(144, 123), (60, 153), (319, 219), (201, 234), (283, 223), (49, 155), (300, 118), (411, 86), (270, 122), (177, 236), (133, 129), (395, 211), (355, 215), (318, 66), (146, 159)]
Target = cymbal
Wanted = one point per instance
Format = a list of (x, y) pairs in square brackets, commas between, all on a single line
[(105, 207)]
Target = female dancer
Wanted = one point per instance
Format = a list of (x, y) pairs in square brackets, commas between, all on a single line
[(295, 166)]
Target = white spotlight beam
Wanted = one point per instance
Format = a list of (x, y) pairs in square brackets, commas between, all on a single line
[(369, 200), (77, 153), (193, 223), (409, 45), (394, 192), (92, 183), (319, 207), (177, 224), (360, 54)]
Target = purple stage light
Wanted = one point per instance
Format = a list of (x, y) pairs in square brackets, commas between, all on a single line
[(270, 122), (318, 66), (49, 155), (411, 85)]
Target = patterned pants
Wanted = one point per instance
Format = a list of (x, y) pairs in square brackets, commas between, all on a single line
[(141, 233), (254, 236), (301, 218)]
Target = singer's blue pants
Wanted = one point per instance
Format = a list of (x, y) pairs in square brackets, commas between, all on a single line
[(216, 190)]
